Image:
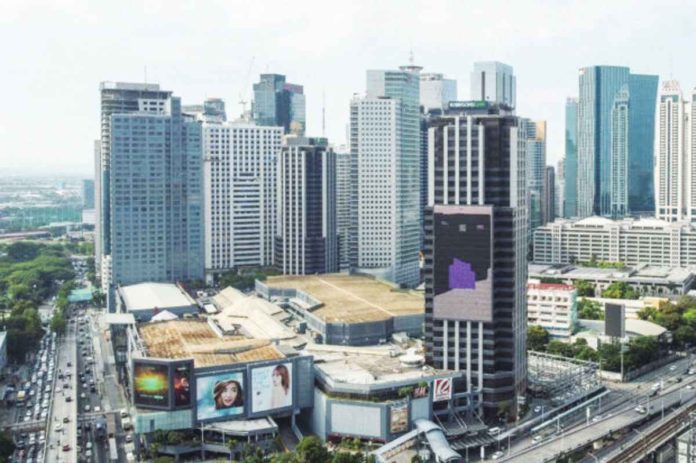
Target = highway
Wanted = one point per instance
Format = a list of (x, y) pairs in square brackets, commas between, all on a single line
[(617, 413)]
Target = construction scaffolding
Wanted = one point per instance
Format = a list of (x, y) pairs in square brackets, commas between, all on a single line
[(560, 378)]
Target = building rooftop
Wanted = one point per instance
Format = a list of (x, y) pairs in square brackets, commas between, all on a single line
[(183, 339), (550, 286), (253, 316), (639, 273), (368, 366), (146, 296), (633, 327), (353, 298)]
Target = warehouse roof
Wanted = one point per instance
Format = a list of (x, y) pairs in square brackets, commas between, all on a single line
[(353, 298)]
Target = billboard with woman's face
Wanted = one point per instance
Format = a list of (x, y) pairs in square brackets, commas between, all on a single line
[(271, 387), (220, 395)]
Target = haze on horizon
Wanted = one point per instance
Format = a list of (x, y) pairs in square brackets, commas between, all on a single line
[(54, 54)]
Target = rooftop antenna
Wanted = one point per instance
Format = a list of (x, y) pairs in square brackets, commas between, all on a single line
[(323, 113)]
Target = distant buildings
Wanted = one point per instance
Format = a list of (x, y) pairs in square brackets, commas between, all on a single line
[(212, 109), (494, 82), (305, 241), (549, 203), (570, 163), (560, 189), (534, 135), (278, 103), (385, 149), (151, 215), (630, 241), (343, 204), (436, 91), (476, 317), (240, 172), (554, 307), (87, 194), (615, 138), (675, 155)]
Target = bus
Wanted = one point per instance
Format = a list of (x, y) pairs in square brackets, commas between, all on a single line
[(113, 451), (111, 425)]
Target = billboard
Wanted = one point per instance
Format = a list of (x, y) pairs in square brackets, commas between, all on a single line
[(614, 320), (271, 387), (150, 384), (220, 395), (398, 418), (181, 385), (463, 263), (442, 389)]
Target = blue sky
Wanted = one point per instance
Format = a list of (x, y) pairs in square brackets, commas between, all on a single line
[(53, 54)]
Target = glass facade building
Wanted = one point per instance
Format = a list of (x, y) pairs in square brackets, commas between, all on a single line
[(600, 89), (278, 103), (570, 167)]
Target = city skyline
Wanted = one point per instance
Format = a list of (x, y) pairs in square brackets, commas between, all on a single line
[(571, 38)]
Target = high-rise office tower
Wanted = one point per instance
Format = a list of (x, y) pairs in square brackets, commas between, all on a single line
[(305, 241), (609, 95), (534, 133), (239, 170), (343, 204), (88, 194), (385, 148), (570, 166), (675, 155), (560, 189), (436, 91), (475, 257), (494, 82), (549, 204), (97, 209), (152, 204), (278, 103)]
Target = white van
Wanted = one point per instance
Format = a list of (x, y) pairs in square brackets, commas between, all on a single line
[(494, 431)]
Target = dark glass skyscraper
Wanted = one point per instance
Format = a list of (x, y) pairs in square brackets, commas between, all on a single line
[(570, 167), (278, 103), (475, 257)]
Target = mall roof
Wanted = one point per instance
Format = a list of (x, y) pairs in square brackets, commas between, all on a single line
[(147, 296), (179, 339), (366, 368), (353, 298), (642, 273), (633, 327)]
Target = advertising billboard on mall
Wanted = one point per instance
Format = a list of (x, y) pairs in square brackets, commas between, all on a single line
[(271, 387), (220, 395), (150, 384), (463, 263), (181, 385), (398, 420)]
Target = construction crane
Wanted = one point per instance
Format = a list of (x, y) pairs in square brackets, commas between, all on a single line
[(242, 101)]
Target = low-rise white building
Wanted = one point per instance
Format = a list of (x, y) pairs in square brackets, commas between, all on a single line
[(554, 307), (631, 241)]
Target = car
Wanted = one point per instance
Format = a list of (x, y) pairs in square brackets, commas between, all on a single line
[(66, 420), (32, 439), (69, 364), (58, 427), (92, 389), (68, 398), (641, 409), (42, 438), (97, 408), (672, 367), (88, 454), (494, 431), (536, 439), (66, 448), (83, 395), (689, 386), (89, 446), (537, 409), (497, 455), (129, 438), (87, 408)]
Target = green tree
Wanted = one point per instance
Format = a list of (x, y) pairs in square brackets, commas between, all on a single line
[(610, 356), (563, 349), (58, 323), (585, 288), (537, 338), (7, 447), (620, 290), (22, 251), (590, 310), (669, 316), (311, 450), (648, 313)]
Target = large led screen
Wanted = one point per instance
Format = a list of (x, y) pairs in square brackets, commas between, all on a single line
[(151, 384), (220, 395), (463, 263), (398, 420), (181, 384), (271, 387)]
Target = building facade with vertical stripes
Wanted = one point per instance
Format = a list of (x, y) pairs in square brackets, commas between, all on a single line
[(477, 165), (305, 241)]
